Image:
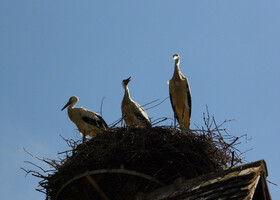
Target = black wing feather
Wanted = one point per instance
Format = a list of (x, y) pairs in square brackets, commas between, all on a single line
[(189, 102), (99, 122), (102, 121), (189, 97), (142, 118)]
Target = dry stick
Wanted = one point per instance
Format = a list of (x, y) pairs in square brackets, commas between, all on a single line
[(161, 119), (232, 158), (107, 171), (271, 182), (229, 145), (150, 103), (101, 106), (219, 137), (115, 123), (203, 131), (45, 171), (70, 142), (32, 155), (247, 151), (96, 186), (158, 103), (64, 152), (45, 161), (208, 117), (34, 173), (217, 128), (225, 121), (206, 122), (42, 191)]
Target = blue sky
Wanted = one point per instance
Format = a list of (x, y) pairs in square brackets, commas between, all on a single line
[(51, 50)]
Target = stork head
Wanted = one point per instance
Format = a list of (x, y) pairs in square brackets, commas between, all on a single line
[(125, 82), (176, 57), (72, 101)]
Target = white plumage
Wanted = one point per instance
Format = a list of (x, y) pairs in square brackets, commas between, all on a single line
[(87, 122), (132, 113), (180, 96)]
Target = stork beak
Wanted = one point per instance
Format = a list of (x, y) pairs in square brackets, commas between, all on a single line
[(126, 81), (69, 102)]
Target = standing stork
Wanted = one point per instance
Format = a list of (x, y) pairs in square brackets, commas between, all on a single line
[(180, 96), (87, 122), (132, 113)]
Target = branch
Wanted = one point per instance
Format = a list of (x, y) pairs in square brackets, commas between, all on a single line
[(115, 123), (101, 106), (271, 182), (159, 120), (157, 104), (150, 102)]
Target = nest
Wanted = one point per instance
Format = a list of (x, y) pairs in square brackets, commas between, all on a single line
[(123, 163)]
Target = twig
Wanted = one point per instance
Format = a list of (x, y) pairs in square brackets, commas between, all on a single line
[(65, 152), (37, 174), (115, 123), (157, 104), (43, 160), (45, 171), (247, 151), (32, 155), (272, 183), (232, 158), (71, 143), (150, 102), (229, 145), (159, 120), (101, 106)]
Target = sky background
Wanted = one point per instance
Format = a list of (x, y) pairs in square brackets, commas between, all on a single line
[(52, 50)]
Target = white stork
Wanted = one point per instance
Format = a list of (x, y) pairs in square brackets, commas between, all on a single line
[(87, 122), (180, 96), (132, 113)]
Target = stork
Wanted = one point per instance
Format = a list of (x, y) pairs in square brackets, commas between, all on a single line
[(180, 96), (132, 113), (87, 122)]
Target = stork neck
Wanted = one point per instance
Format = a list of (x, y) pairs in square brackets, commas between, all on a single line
[(126, 92), (177, 72)]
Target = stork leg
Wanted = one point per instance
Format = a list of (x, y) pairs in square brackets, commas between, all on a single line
[(84, 138), (174, 121), (174, 128), (183, 118)]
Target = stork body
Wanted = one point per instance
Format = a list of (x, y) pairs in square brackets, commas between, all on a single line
[(180, 96), (87, 122), (132, 113)]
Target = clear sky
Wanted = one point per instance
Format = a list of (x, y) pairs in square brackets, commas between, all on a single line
[(51, 50)]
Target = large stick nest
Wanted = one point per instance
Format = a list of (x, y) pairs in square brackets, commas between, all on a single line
[(121, 163)]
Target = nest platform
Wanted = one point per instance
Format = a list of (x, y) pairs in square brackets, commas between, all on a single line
[(122, 163)]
